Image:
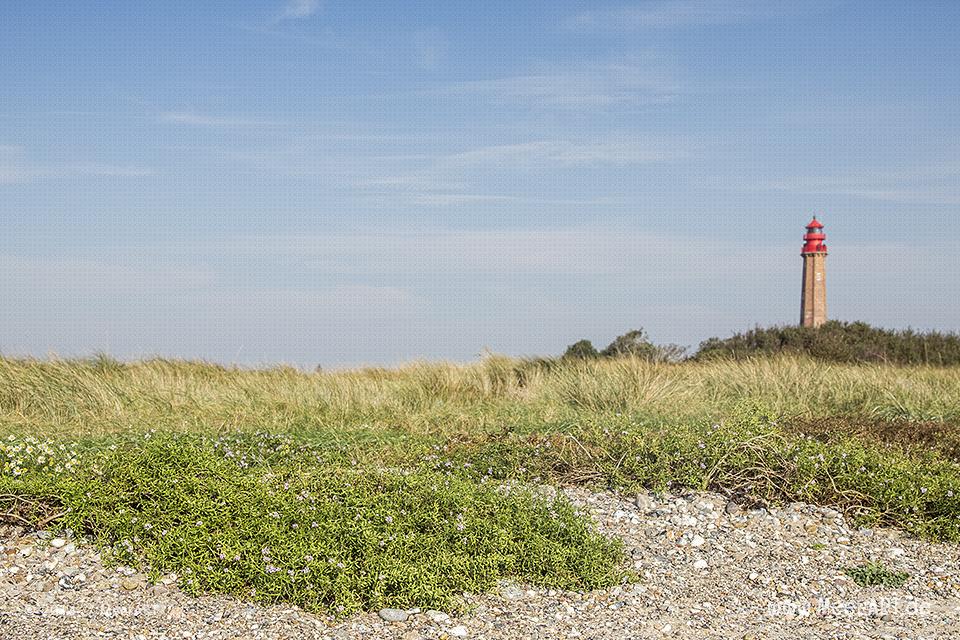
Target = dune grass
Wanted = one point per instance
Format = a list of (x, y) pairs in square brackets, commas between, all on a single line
[(96, 397)]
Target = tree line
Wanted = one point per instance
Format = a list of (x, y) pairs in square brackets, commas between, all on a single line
[(834, 340)]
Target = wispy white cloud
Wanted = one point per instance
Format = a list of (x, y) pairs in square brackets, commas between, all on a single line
[(194, 118), (156, 274), (933, 184), (541, 155), (96, 169), (445, 179), (336, 299), (413, 182), (915, 196), (299, 9), (635, 81), (455, 199), (459, 199), (441, 199), (540, 250), (562, 154), (677, 13), (16, 169)]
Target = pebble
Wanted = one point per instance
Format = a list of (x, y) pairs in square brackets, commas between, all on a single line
[(437, 616), (57, 542), (393, 615), (643, 503), (130, 584), (511, 592), (700, 564), (66, 583)]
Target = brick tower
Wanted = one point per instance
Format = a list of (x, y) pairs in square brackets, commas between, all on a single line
[(813, 296)]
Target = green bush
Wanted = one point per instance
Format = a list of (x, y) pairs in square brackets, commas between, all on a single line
[(329, 538), (840, 342), (633, 344), (582, 349)]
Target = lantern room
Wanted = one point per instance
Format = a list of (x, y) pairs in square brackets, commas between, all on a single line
[(814, 238)]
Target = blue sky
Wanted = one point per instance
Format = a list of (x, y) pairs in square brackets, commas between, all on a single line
[(338, 183)]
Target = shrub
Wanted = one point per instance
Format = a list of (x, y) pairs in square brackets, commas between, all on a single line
[(841, 342), (582, 349), (632, 344)]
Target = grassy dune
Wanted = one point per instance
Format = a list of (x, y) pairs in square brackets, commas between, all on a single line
[(100, 396), (282, 485)]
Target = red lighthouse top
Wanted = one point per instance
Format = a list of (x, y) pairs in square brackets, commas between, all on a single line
[(814, 237)]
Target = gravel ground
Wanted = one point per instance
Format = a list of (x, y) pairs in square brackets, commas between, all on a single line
[(708, 569)]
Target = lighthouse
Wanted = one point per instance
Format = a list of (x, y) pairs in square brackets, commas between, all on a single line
[(813, 294)]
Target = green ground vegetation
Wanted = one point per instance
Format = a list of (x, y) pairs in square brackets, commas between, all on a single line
[(877, 574), (260, 517), (403, 470)]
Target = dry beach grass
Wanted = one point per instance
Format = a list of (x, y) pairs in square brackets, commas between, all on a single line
[(99, 396)]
